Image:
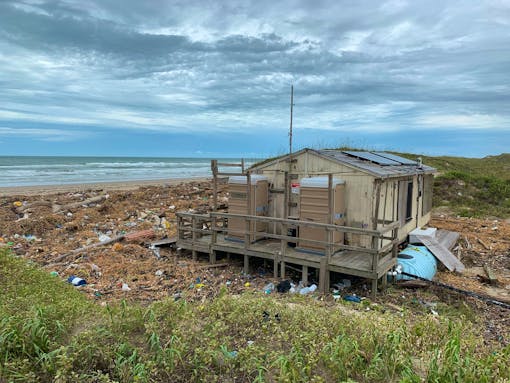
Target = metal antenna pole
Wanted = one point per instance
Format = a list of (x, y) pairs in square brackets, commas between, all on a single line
[(291, 108)]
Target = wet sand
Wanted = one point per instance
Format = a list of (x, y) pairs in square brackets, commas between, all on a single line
[(74, 188)]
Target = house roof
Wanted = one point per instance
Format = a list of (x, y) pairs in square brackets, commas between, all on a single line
[(378, 164)]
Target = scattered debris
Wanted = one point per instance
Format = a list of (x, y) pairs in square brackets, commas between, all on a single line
[(76, 281), (493, 280), (283, 286), (57, 208), (352, 298), (442, 253)]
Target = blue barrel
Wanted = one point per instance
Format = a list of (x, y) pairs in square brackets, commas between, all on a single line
[(417, 260)]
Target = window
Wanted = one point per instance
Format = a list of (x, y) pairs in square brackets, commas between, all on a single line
[(405, 201)]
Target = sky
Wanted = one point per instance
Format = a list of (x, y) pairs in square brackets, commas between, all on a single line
[(196, 78)]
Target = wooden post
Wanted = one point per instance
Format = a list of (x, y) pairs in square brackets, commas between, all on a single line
[(374, 288), (283, 250), (180, 228), (214, 168), (242, 165), (194, 236), (286, 196), (304, 275), (322, 275), (329, 236), (246, 264), (247, 227), (214, 238), (394, 249), (375, 264), (247, 234)]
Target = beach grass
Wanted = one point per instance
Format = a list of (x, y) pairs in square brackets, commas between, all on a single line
[(51, 333)]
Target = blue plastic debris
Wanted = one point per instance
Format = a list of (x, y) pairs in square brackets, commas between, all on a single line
[(76, 281), (352, 298)]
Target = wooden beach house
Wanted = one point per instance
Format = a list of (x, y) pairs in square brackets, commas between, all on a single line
[(332, 210)]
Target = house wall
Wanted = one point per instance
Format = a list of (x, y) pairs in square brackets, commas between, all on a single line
[(360, 195), (392, 204), (358, 190)]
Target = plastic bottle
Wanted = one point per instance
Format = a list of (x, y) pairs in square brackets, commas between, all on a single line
[(269, 288), (304, 291)]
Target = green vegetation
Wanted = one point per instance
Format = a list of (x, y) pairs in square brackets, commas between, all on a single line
[(50, 332)]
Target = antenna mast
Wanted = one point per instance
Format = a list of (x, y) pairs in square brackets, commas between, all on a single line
[(291, 107)]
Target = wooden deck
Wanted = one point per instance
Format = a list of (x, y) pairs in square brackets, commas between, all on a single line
[(201, 233), (347, 262)]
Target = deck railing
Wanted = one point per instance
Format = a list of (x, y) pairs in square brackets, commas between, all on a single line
[(193, 226)]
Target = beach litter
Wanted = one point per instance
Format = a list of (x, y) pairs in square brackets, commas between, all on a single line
[(76, 281)]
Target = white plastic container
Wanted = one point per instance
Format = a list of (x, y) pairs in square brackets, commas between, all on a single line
[(429, 232)]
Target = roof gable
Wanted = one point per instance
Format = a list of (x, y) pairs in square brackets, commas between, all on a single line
[(377, 164)]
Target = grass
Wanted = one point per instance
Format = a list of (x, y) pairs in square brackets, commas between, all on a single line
[(51, 333)]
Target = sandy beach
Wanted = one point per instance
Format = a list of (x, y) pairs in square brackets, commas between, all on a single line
[(82, 187)]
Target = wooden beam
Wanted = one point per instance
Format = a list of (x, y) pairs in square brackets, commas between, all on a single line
[(304, 275), (322, 276), (214, 168), (374, 288), (246, 267), (345, 229)]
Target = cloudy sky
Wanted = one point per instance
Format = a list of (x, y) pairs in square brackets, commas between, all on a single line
[(197, 78)]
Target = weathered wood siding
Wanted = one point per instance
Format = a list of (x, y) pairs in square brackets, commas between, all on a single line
[(391, 204), (358, 195)]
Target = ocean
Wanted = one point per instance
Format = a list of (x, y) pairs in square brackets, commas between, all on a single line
[(28, 171)]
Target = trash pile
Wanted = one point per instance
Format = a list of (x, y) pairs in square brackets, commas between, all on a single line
[(114, 245), (101, 241)]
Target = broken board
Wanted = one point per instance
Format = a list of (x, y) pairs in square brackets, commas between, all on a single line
[(165, 242), (442, 254), (447, 238)]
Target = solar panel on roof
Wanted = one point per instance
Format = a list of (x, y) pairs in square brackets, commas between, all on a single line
[(402, 160), (373, 158)]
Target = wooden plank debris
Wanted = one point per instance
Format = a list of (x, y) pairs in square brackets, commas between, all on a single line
[(442, 253), (165, 242), (413, 284), (447, 238), (140, 236), (493, 280)]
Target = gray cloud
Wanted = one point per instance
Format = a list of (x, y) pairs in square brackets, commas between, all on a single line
[(169, 65)]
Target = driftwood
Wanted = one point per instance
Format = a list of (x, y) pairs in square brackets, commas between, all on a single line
[(140, 236), (82, 249), (58, 208), (23, 209), (483, 244), (468, 244), (217, 265), (413, 283)]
